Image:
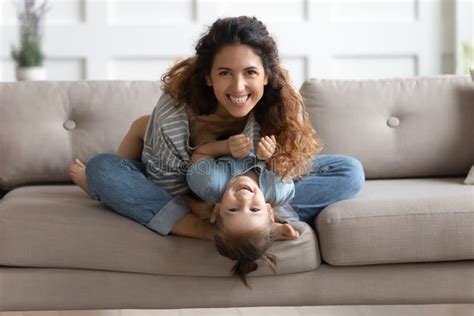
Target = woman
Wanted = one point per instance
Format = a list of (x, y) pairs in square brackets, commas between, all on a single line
[(233, 85)]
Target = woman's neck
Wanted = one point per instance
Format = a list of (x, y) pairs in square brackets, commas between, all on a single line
[(223, 118), (222, 114)]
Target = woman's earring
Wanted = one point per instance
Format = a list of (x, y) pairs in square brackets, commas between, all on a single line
[(208, 81)]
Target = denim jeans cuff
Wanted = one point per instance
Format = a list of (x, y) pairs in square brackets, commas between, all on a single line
[(169, 216)]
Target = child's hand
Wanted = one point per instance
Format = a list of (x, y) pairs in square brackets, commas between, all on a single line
[(266, 147), (239, 145)]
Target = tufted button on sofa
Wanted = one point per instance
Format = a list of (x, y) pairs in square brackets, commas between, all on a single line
[(393, 122), (69, 125), (406, 238)]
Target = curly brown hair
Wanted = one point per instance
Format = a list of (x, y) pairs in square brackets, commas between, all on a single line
[(279, 112)]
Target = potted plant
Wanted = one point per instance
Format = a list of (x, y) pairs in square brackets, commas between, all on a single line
[(29, 56), (468, 56)]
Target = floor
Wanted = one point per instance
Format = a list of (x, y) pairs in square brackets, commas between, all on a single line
[(359, 310)]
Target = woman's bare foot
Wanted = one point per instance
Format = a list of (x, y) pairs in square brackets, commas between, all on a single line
[(77, 172), (284, 232)]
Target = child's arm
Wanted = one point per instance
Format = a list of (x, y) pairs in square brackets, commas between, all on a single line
[(239, 146), (131, 146), (211, 149), (266, 147)]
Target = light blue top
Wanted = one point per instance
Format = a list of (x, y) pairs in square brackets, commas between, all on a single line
[(208, 178)]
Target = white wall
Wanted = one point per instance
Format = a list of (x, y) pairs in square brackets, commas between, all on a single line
[(139, 39), (464, 29)]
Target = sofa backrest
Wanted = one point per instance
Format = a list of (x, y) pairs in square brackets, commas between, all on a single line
[(398, 128), (44, 125), (417, 127)]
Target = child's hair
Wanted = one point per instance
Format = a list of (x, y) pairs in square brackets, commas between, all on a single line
[(245, 248), (279, 112)]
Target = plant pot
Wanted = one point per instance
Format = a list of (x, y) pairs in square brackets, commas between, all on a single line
[(30, 73)]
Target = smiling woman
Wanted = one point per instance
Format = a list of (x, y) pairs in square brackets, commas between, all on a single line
[(238, 80), (232, 100), (244, 43)]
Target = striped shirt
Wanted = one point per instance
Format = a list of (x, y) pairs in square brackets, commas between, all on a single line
[(166, 149)]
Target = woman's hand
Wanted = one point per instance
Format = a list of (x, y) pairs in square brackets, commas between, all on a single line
[(284, 232), (200, 208), (266, 147), (239, 145)]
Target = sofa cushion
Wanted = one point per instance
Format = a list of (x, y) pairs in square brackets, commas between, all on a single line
[(60, 226), (43, 125), (417, 127), (391, 221)]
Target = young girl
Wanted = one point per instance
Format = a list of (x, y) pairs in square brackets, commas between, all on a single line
[(244, 221), (243, 191)]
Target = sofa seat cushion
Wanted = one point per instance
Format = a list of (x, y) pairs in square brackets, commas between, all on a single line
[(60, 226), (393, 221)]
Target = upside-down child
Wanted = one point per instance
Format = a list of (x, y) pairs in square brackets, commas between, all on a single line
[(251, 202), (243, 223)]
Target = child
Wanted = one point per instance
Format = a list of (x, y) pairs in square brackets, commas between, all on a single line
[(244, 222), (236, 184)]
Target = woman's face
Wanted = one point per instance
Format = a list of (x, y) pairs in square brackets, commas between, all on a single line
[(238, 78), (243, 206)]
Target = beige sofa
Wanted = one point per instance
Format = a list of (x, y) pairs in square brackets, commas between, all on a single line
[(408, 237)]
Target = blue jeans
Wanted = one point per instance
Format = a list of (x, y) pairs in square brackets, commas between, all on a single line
[(121, 185), (332, 178)]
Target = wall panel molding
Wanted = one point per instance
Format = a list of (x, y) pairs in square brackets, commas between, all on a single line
[(374, 66), (381, 11), (138, 68), (112, 39), (146, 12)]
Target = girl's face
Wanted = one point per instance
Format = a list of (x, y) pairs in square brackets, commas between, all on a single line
[(238, 78), (243, 206)]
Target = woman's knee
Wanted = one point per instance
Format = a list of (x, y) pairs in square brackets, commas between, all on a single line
[(355, 175), (101, 163)]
